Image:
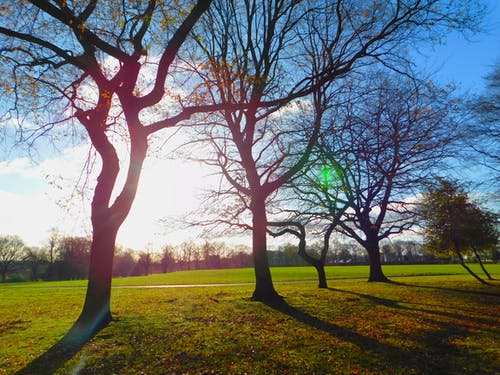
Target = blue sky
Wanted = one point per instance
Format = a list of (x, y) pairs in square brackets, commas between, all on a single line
[(466, 62), (30, 194)]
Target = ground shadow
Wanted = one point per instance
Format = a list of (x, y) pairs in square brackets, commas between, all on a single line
[(462, 291), (401, 360), (60, 353), (437, 342), (397, 305), (388, 353)]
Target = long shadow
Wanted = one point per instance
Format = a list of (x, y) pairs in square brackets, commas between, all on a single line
[(396, 305), (388, 352), (63, 351), (463, 291), (399, 359)]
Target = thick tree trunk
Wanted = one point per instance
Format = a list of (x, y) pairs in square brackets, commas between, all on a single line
[(264, 288), (478, 257), (376, 273), (106, 221), (96, 313), (320, 268)]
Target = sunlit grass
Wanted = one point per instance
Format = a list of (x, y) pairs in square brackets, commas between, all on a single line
[(436, 324), (280, 274)]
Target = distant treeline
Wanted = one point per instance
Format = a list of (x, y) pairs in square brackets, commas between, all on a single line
[(67, 258)]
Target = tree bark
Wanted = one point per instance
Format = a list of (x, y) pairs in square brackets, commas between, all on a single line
[(96, 313), (478, 257), (264, 288), (376, 273), (320, 268), (106, 221)]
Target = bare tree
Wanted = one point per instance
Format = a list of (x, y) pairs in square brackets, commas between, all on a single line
[(124, 263), (52, 246), (277, 57), (483, 134), (188, 254), (11, 251), (167, 259), (74, 258), (145, 263), (104, 65), (393, 135), (36, 259)]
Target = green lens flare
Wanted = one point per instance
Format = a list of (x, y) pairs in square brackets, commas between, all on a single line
[(330, 176)]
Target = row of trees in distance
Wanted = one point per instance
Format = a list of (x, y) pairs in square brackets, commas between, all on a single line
[(68, 258)]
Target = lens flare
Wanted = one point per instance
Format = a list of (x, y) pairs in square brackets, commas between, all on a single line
[(330, 176)]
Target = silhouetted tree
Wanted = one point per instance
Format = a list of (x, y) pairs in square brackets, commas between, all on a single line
[(188, 249), (52, 246), (145, 263), (74, 258), (212, 254), (390, 135), (124, 263), (106, 73), (167, 261), (36, 259), (321, 195), (276, 57)]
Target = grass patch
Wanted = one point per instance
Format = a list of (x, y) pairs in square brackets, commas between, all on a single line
[(419, 325)]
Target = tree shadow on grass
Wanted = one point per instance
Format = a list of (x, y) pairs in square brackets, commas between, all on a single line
[(374, 347), (462, 291), (434, 344), (63, 351), (438, 343), (397, 305)]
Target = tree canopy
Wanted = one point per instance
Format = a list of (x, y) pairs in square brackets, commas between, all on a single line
[(456, 226)]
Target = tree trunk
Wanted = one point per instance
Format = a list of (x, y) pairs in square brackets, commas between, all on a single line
[(320, 268), (264, 288), (106, 221), (462, 262), (318, 264), (376, 273), (478, 257)]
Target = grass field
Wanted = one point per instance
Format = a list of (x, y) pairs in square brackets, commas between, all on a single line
[(280, 274), (444, 323)]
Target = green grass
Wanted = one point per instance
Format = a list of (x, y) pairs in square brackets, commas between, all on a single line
[(420, 325), (280, 274)]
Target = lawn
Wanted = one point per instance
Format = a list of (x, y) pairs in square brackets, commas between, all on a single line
[(280, 274), (439, 324)]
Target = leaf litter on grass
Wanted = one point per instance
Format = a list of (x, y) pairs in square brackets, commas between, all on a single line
[(435, 326)]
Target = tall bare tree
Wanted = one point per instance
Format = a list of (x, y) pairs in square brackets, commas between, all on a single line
[(277, 57), (392, 136), (104, 65)]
